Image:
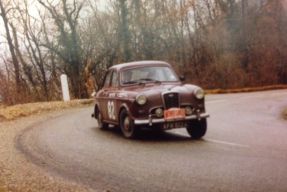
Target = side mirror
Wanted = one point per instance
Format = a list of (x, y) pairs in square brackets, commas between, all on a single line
[(182, 78), (94, 94)]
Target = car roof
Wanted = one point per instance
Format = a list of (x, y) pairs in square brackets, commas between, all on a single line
[(138, 64)]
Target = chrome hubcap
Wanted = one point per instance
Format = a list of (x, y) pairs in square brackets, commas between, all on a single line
[(127, 124)]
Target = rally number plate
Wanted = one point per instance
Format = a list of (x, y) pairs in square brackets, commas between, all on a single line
[(174, 114)]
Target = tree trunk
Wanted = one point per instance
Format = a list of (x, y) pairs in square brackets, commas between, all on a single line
[(125, 33), (11, 48)]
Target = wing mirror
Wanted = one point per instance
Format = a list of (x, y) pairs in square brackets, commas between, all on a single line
[(94, 94), (182, 78)]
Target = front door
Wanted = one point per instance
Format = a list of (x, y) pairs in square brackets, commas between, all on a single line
[(108, 97)]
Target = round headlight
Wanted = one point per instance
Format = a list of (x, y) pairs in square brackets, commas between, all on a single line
[(199, 93), (141, 99)]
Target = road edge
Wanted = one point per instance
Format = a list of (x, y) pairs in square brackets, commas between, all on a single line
[(20, 146), (42, 176)]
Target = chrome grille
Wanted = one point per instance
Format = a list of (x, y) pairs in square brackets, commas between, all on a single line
[(171, 100)]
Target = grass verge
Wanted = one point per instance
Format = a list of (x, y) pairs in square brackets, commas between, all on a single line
[(285, 114), (247, 89), (23, 110)]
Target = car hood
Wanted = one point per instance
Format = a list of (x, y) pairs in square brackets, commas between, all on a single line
[(151, 90)]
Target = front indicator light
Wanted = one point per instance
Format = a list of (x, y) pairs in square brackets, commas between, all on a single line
[(188, 110), (159, 112)]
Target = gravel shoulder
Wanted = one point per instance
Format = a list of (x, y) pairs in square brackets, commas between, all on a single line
[(17, 173)]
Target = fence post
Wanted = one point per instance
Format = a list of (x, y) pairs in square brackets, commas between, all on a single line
[(65, 87)]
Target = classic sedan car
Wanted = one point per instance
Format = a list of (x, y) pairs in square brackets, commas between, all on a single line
[(149, 94)]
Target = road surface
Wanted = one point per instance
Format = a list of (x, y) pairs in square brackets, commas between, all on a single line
[(245, 149)]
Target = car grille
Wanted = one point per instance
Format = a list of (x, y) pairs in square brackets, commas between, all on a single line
[(171, 100)]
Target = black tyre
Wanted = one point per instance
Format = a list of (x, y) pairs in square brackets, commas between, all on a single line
[(102, 125), (129, 130), (197, 128)]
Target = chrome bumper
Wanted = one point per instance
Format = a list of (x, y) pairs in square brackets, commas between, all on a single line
[(150, 121)]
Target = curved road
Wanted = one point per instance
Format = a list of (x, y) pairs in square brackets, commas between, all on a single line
[(245, 149)]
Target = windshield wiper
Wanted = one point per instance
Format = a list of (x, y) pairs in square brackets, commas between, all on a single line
[(131, 82), (149, 79), (141, 81)]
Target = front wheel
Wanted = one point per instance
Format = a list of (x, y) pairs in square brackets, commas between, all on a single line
[(129, 130), (197, 128)]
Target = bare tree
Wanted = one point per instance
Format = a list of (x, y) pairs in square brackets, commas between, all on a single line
[(11, 47), (124, 30), (69, 48)]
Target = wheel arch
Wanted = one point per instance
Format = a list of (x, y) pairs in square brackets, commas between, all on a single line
[(96, 111), (124, 106)]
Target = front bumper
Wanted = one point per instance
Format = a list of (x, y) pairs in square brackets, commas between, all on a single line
[(150, 121)]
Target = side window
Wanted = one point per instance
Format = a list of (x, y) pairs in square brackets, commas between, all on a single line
[(108, 79), (115, 79)]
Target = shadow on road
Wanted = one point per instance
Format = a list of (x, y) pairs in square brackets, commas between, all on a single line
[(146, 135)]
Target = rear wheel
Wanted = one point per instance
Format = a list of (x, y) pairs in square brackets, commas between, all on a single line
[(197, 128), (127, 125)]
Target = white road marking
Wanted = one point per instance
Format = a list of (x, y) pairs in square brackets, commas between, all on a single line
[(226, 143)]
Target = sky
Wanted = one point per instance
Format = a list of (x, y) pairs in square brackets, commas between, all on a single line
[(33, 10)]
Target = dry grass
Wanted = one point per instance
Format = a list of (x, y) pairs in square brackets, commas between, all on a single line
[(285, 114), (2, 189), (247, 89), (23, 110)]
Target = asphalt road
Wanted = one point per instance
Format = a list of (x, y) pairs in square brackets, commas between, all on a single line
[(245, 149)]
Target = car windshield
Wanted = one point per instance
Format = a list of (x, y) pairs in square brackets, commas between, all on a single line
[(148, 74)]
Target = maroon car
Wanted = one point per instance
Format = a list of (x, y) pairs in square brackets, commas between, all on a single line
[(149, 94)]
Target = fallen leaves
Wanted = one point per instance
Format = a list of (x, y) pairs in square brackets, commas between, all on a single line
[(23, 110)]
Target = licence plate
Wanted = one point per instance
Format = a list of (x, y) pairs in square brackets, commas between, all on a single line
[(174, 114), (173, 125)]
